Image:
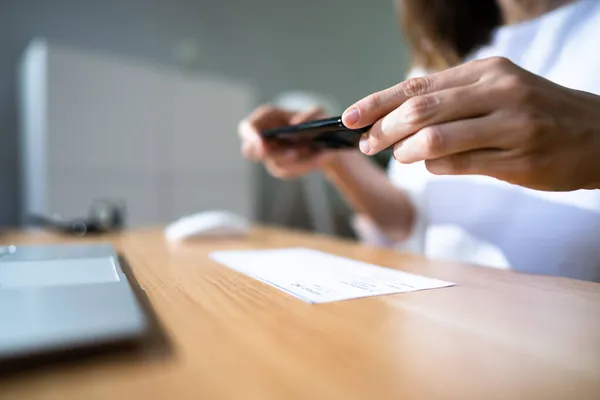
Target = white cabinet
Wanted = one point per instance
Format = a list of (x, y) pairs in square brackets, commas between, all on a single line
[(95, 126)]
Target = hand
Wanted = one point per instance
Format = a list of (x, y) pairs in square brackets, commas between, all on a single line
[(487, 117), (282, 163)]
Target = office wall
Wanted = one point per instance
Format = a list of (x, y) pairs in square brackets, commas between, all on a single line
[(342, 48)]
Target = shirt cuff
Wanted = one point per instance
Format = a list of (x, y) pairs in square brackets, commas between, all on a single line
[(369, 233)]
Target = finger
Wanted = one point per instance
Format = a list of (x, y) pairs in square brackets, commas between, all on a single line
[(290, 156), (268, 116), (282, 170), (311, 114), (264, 117), (375, 106), (432, 109), (479, 162), (512, 166), (253, 146), (436, 141)]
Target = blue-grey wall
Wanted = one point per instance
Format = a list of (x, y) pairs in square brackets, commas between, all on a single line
[(339, 47)]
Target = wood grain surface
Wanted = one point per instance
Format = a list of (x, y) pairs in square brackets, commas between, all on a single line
[(496, 335)]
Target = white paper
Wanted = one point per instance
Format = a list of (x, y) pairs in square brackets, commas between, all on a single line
[(318, 277)]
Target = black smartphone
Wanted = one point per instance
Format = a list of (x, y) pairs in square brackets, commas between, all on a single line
[(328, 133)]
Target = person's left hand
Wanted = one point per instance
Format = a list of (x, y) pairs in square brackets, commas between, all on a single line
[(487, 117)]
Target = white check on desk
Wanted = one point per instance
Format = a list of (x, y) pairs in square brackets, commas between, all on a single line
[(318, 277)]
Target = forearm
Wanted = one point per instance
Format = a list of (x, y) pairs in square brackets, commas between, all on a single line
[(369, 191)]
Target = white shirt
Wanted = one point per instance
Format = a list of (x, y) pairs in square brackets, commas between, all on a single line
[(481, 220)]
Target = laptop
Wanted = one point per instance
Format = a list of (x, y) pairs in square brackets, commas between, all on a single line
[(65, 297)]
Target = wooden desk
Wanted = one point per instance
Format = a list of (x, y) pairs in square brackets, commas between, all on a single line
[(497, 335)]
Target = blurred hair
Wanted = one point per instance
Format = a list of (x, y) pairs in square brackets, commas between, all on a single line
[(441, 33)]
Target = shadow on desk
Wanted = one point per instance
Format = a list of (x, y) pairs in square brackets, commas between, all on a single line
[(154, 346)]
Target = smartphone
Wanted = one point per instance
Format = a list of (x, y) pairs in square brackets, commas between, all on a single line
[(328, 133)]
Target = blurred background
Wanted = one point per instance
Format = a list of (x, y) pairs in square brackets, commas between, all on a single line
[(138, 102)]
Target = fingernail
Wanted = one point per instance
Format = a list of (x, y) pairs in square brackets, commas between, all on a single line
[(363, 145), (351, 116)]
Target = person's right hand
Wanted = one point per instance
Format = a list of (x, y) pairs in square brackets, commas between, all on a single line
[(282, 163), (487, 117)]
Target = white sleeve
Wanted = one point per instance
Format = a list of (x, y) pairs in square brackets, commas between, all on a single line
[(411, 179)]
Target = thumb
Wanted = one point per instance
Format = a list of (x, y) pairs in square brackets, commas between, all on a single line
[(375, 106)]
